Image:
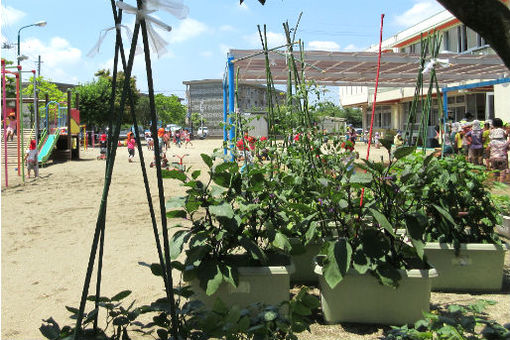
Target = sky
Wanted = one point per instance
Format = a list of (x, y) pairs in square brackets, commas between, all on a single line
[(197, 45)]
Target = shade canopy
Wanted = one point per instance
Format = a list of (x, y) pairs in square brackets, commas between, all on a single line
[(359, 68)]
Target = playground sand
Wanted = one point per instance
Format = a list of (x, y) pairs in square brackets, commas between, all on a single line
[(47, 231)]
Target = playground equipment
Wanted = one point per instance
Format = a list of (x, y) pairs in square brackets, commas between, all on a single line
[(20, 143), (179, 166)]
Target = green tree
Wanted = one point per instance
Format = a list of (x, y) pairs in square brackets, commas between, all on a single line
[(170, 109), (95, 102), (45, 86), (328, 109)]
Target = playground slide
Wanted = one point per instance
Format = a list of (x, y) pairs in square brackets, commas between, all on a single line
[(48, 147)]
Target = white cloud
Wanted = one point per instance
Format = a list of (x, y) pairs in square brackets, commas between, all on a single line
[(206, 54), (351, 47), (323, 45), (421, 10), (273, 39), (187, 29), (11, 16), (227, 28)]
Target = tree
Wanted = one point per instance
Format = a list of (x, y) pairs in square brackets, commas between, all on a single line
[(95, 102), (170, 109), (328, 109), (95, 98), (45, 86)]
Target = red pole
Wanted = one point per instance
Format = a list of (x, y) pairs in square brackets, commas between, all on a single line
[(4, 102), (18, 109), (375, 100)]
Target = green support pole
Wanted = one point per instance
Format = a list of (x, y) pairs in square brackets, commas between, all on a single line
[(20, 132)]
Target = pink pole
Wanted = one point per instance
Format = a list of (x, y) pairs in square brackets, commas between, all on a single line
[(4, 80), (375, 100), (18, 113)]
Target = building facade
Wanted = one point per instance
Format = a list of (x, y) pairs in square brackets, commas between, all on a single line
[(394, 104), (206, 97)]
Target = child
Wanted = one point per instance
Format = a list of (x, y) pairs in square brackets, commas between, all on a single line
[(131, 143), (161, 134), (11, 128), (376, 140), (474, 138), (187, 138), (498, 148), (31, 159), (102, 147)]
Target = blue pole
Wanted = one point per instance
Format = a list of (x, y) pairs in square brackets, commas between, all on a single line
[(445, 110), (231, 97), (225, 114)]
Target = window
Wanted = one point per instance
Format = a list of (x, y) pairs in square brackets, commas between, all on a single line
[(446, 40)]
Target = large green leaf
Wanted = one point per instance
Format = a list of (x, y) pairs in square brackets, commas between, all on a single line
[(207, 160), (388, 275), (176, 214), (338, 261), (252, 248), (177, 241), (445, 214), (361, 178), (404, 151), (223, 209), (415, 225), (374, 243), (175, 202), (387, 143), (282, 242), (360, 262), (174, 174), (382, 220)]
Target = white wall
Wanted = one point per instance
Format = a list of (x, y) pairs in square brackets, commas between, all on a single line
[(502, 101)]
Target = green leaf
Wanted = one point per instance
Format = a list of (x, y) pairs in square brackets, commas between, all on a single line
[(311, 301), (388, 275), (224, 209), (252, 248), (121, 295), (338, 261), (176, 214), (207, 160), (415, 225), (360, 262), (219, 307), (404, 151), (311, 232), (244, 323), (382, 220), (445, 214), (177, 242), (233, 315), (174, 174), (282, 242), (387, 143), (301, 309), (373, 243), (195, 174), (175, 202), (361, 178)]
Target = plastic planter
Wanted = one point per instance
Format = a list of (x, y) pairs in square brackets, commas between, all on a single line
[(361, 298), (268, 285), (477, 267)]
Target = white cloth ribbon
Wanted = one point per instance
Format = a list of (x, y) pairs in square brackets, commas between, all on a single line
[(102, 35), (432, 63)]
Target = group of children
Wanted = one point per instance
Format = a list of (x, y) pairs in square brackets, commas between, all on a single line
[(165, 138), (477, 144)]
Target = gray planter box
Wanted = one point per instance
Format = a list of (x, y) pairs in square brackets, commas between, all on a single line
[(478, 267), (268, 285), (362, 299)]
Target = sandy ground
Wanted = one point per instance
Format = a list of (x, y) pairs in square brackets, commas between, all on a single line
[(47, 231)]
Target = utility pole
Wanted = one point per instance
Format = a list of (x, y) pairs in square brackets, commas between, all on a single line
[(39, 62)]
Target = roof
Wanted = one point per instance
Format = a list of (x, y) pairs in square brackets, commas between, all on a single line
[(219, 82), (359, 68)]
